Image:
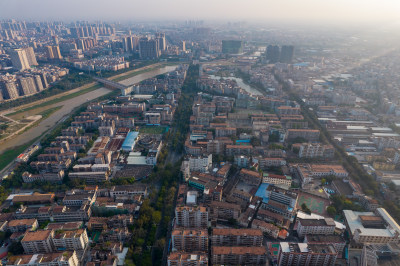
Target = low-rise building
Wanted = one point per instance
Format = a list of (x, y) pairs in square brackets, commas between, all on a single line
[(191, 217), (66, 258), (250, 177), (315, 226), (189, 240), (238, 255), (336, 240), (22, 225), (224, 210), (277, 179), (306, 254), (38, 242), (185, 259), (236, 237), (70, 240), (265, 227), (372, 227)]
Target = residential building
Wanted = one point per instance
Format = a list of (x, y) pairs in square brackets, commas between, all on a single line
[(22, 225), (315, 150), (306, 254), (336, 240), (307, 134), (315, 226), (149, 48), (38, 242), (19, 59), (266, 163), (66, 258), (178, 258), (191, 217), (201, 163), (250, 177), (238, 255), (277, 179), (30, 55), (189, 240), (265, 227), (224, 210), (70, 240), (236, 237)]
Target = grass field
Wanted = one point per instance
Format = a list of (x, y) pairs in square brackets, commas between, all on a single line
[(9, 155), (49, 111), (153, 130), (134, 74)]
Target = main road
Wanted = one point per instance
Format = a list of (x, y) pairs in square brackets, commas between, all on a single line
[(69, 105)]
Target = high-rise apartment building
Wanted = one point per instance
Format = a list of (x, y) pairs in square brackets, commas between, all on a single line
[(273, 53), (27, 86), (49, 52), (30, 54), (19, 59), (148, 48), (53, 52), (56, 52), (183, 46), (232, 47), (287, 53), (9, 89), (162, 43), (38, 83)]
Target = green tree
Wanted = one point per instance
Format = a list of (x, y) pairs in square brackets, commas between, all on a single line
[(331, 210), (305, 208)]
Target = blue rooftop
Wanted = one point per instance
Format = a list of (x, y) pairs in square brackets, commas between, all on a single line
[(130, 139), (261, 192)]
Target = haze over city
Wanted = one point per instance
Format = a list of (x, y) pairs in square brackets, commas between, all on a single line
[(187, 133), (328, 11)]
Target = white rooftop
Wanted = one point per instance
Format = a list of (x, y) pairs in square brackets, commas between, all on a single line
[(303, 215), (354, 223)]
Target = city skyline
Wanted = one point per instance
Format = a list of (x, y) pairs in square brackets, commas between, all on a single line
[(307, 11)]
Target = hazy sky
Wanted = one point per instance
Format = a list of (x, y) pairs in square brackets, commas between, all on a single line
[(334, 11)]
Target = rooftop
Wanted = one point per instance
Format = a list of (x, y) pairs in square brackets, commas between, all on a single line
[(39, 235), (354, 222), (237, 232), (238, 250)]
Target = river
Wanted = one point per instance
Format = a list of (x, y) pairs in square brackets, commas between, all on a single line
[(240, 83), (69, 105)]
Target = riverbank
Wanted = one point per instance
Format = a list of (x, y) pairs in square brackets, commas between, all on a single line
[(24, 140)]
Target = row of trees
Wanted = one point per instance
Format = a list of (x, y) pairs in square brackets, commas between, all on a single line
[(151, 228)]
